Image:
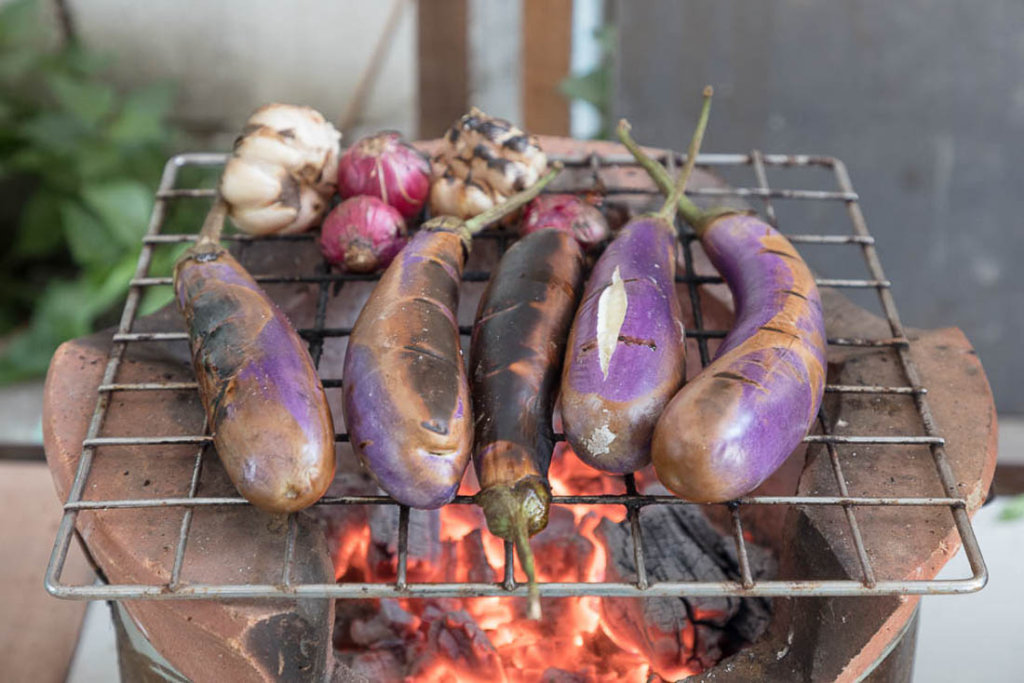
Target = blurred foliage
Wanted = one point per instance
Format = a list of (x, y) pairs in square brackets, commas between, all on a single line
[(595, 86), (79, 161), (1013, 510)]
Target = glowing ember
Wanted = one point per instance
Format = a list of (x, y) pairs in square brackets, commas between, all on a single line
[(489, 639)]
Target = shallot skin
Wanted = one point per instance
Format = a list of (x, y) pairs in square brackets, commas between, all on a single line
[(265, 405), (733, 425), (609, 408), (568, 213), (362, 234), (386, 167)]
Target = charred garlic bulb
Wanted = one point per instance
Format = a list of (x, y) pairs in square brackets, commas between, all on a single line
[(483, 161), (283, 170)]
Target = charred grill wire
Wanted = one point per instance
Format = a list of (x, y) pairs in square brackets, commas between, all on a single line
[(583, 173)]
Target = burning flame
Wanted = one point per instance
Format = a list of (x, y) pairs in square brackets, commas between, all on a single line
[(574, 636)]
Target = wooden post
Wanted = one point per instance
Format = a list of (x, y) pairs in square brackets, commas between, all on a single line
[(443, 54), (547, 43)]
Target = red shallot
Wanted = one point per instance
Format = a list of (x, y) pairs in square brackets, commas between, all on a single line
[(566, 213), (362, 234), (386, 167)]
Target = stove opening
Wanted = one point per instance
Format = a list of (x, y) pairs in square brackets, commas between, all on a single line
[(585, 638)]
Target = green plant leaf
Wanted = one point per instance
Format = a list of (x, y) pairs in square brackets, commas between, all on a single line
[(123, 206), (19, 23), (17, 64), (66, 308), (55, 133), (82, 61), (141, 119), (39, 231), (110, 286), (607, 37), (88, 237), (595, 86), (1013, 510), (27, 354), (164, 258), (88, 159), (63, 312), (89, 101), (592, 87), (97, 161)]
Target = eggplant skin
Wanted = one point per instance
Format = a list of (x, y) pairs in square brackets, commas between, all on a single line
[(516, 356), (264, 402), (609, 407), (406, 395), (733, 425)]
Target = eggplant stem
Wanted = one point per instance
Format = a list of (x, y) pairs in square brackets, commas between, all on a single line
[(514, 513), (496, 213), (521, 538), (690, 212), (668, 210), (213, 224)]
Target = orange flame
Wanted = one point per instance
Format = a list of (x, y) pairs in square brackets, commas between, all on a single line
[(573, 636)]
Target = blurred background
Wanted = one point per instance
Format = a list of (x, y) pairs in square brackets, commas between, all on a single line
[(922, 99)]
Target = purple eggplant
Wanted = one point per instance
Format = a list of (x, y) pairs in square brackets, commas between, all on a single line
[(626, 349), (741, 417), (515, 361), (406, 395), (733, 425), (406, 398), (264, 402), (626, 355)]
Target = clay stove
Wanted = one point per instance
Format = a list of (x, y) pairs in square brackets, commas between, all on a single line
[(843, 539)]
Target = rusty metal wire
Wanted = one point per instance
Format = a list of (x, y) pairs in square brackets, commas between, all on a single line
[(327, 282)]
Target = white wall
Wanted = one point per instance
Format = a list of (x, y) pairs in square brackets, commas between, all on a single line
[(231, 56)]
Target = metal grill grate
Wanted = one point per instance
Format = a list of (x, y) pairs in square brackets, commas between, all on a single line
[(323, 278)]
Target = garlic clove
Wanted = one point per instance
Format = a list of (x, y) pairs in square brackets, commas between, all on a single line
[(283, 170), (455, 165), (246, 182), (483, 161), (312, 207), (506, 177), (305, 125), (313, 165), (451, 196), (328, 181), (267, 145), (263, 220)]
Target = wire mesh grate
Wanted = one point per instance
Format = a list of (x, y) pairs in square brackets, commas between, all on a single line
[(328, 283)]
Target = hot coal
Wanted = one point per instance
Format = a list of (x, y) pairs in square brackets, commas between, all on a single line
[(556, 675), (424, 538), (681, 545), (472, 546), (564, 552), (584, 638), (455, 638)]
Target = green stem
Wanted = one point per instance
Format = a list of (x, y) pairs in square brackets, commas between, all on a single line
[(213, 225), (521, 538), (496, 213), (668, 210), (514, 513), (691, 213)]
